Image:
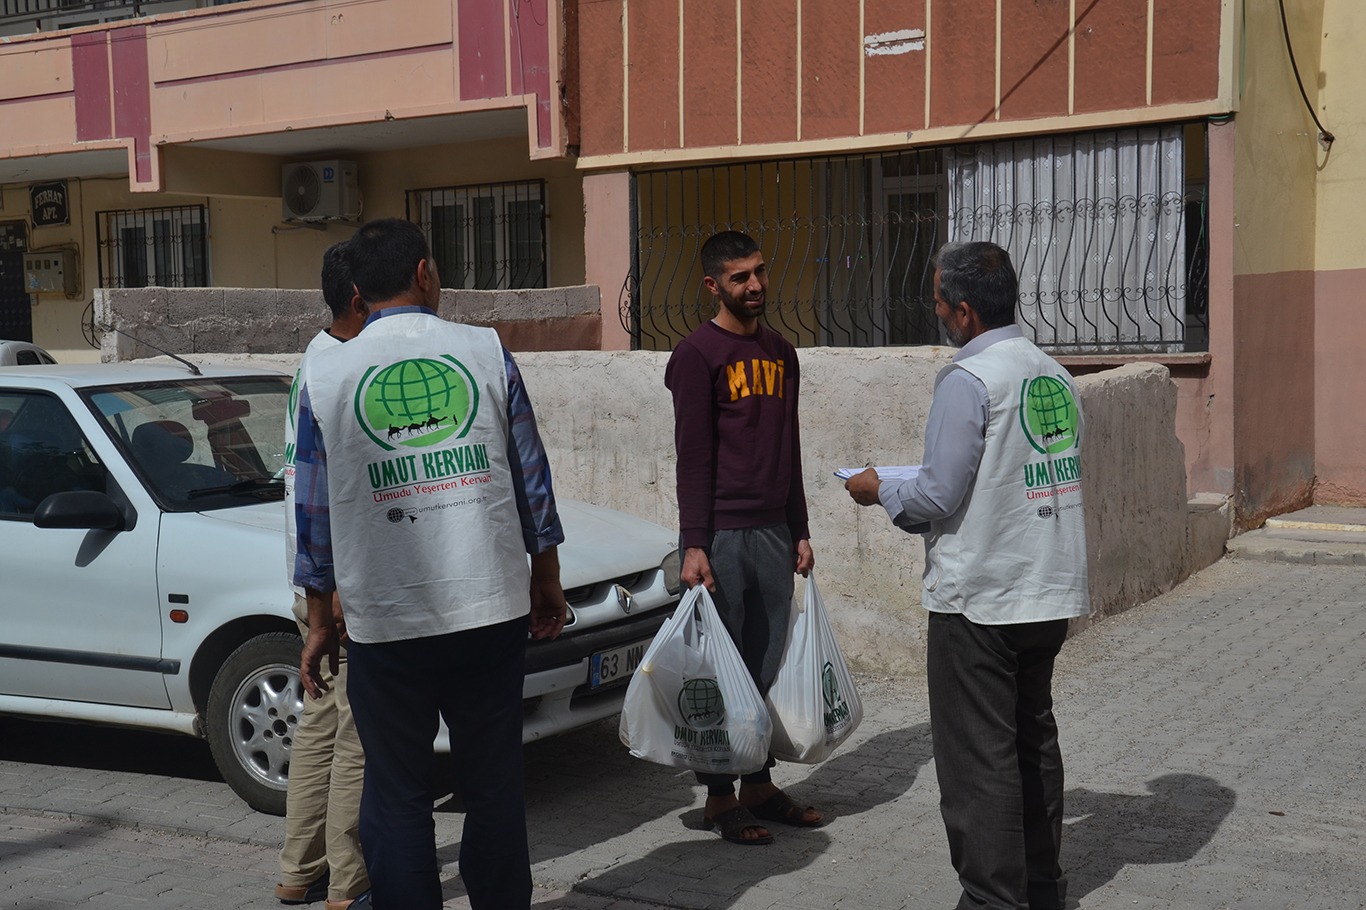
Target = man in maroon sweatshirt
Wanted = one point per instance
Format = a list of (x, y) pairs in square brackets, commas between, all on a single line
[(741, 502)]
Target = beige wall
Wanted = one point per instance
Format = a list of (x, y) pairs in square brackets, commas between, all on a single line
[(1271, 335), (236, 71), (1277, 151), (1340, 284), (607, 421), (1342, 174), (1297, 331)]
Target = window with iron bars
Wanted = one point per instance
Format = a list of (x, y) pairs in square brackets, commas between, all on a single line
[(161, 247), (1107, 230), (486, 237), (18, 17)]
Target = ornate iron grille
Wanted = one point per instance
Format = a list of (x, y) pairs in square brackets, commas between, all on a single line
[(162, 247), (850, 240), (488, 236)]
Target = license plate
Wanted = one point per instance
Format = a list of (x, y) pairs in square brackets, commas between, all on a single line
[(616, 663)]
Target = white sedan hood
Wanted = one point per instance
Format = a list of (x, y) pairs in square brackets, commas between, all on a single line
[(599, 543), (603, 543)]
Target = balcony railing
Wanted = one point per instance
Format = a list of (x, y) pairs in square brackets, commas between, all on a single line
[(22, 17)]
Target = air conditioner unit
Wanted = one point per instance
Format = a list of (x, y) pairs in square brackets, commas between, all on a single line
[(320, 191)]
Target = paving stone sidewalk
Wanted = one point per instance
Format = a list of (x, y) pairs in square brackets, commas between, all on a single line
[(1215, 752)]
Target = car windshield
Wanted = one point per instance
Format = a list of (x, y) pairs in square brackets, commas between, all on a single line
[(201, 443)]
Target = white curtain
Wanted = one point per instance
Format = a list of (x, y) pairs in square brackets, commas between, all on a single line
[(1094, 225)]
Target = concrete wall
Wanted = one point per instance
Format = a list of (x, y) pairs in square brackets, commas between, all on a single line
[(607, 421), (281, 321)]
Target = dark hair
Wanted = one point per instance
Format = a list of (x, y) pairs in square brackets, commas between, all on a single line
[(336, 280), (724, 247), (383, 256), (979, 273)]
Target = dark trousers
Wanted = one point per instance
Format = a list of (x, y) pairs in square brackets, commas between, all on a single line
[(753, 570), (473, 679), (997, 757)]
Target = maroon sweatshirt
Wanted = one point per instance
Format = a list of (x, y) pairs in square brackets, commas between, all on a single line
[(735, 429)]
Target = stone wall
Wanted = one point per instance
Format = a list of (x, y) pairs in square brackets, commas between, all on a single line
[(279, 321), (607, 422)]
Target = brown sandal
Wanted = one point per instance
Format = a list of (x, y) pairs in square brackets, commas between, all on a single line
[(733, 824), (782, 808)]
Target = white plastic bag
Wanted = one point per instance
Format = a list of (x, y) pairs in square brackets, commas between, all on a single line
[(692, 703), (813, 701)]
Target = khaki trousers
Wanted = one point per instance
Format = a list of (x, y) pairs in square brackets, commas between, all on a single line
[(322, 809)]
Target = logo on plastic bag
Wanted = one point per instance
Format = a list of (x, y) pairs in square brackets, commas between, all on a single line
[(701, 704), (836, 708)]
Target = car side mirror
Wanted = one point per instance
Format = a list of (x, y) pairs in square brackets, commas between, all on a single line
[(79, 509)]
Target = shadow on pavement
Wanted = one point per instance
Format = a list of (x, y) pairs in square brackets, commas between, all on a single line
[(876, 771), (66, 745), (1107, 831)]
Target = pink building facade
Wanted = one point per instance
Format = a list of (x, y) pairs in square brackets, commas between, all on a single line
[(1151, 164)]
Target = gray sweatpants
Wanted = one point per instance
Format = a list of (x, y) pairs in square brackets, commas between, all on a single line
[(753, 569)]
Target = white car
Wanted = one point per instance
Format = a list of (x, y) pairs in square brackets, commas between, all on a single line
[(142, 576), (22, 353)]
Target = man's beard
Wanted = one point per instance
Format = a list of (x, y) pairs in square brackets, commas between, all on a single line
[(957, 339), (742, 308)]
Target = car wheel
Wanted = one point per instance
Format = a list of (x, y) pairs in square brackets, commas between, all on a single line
[(255, 704)]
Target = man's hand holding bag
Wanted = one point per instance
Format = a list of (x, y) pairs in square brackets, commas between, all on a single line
[(692, 703)]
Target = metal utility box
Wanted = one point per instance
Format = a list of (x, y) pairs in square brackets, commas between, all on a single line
[(52, 272)]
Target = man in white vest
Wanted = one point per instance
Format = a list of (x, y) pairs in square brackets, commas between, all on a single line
[(999, 500), (321, 857), (421, 486)]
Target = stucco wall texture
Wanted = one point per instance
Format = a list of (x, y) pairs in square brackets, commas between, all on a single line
[(282, 321), (607, 422)]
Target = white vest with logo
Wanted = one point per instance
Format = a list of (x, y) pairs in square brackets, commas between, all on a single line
[(320, 342), (426, 536), (1015, 551)]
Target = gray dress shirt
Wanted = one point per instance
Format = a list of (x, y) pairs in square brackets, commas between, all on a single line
[(955, 436)]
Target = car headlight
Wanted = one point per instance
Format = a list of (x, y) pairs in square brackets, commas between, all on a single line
[(671, 567)]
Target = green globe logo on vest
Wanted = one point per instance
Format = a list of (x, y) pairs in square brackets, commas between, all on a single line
[(294, 398), (1048, 413), (703, 709), (292, 416), (417, 403)]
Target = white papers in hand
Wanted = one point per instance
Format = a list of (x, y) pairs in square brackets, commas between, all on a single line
[(891, 472)]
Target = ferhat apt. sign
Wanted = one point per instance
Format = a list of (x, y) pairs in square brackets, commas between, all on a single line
[(48, 202)]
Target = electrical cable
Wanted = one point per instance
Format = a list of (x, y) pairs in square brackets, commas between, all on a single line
[(1325, 137)]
